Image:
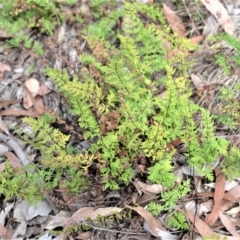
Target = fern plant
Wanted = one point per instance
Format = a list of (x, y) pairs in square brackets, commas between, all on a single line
[(227, 111), (169, 199), (116, 96), (118, 105), (30, 182), (178, 221), (56, 162)]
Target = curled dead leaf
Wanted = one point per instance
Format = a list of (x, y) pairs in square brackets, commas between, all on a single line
[(32, 85)]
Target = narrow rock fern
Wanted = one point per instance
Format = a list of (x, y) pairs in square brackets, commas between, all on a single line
[(121, 111), (133, 104)]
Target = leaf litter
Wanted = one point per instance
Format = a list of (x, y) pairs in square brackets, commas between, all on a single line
[(216, 203)]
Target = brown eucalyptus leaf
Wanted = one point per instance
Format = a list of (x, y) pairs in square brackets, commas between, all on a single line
[(218, 197), (203, 229), (19, 112), (152, 223), (5, 104), (174, 21)]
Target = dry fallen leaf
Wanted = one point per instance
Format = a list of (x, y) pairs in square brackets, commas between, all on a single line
[(4, 148), (85, 213), (228, 224), (197, 81), (67, 197), (5, 104), (211, 26), (3, 34), (153, 225), (196, 40), (58, 219), (13, 159), (4, 233), (93, 213), (226, 196), (221, 14), (2, 167), (43, 90), (20, 231), (4, 68), (20, 112), (228, 185), (7, 207), (38, 105), (3, 127), (174, 21), (32, 85), (42, 208), (145, 1), (149, 188), (235, 192), (189, 170), (199, 209), (203, 229), (233, 211), (218, 197), (84, 235)]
